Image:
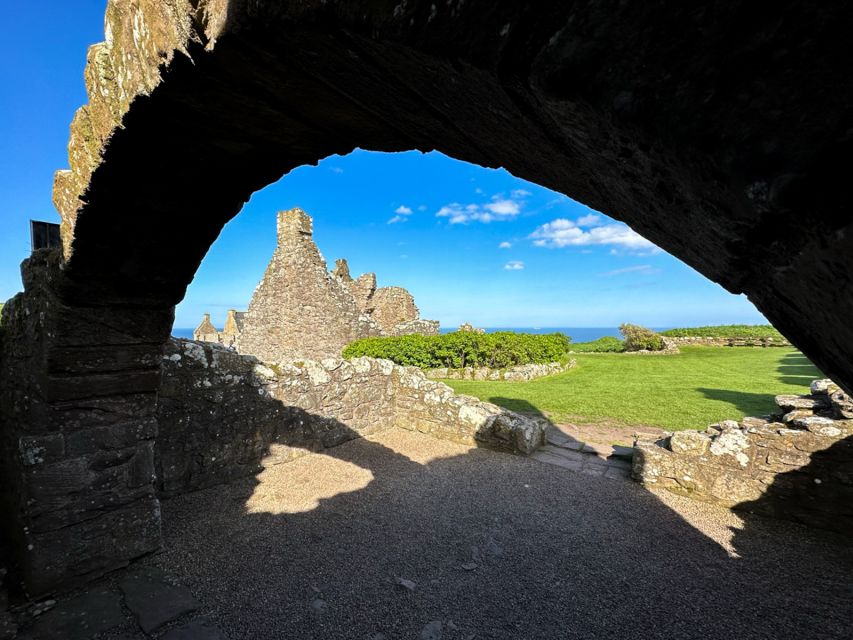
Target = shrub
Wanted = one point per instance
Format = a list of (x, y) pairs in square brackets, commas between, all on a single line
[(606, 344), (639, 338), (464, 349)]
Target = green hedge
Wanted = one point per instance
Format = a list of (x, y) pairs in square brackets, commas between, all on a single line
[(464, 349), (607, 344), (734, 331)]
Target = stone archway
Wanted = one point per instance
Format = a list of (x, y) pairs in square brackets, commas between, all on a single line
[(719, 134)]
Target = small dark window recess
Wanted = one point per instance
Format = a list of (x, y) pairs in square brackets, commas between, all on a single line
[(44, 235)]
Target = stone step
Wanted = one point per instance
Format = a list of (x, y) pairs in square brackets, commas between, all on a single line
[(613, 467)]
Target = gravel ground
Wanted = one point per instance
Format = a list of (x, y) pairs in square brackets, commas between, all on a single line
[(401, 536)]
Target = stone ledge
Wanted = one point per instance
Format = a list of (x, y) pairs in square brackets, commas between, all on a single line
[(797, 465)]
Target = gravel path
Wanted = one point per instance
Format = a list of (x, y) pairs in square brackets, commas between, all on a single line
[(401, 536)]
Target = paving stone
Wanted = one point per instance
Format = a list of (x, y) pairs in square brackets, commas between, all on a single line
[(600, 450), (594, 470), (557, 438), (195, 630), (623, 452), (154, 601), (619, 473), (618, 463), (81, 617), (563, 453), (560, 461)]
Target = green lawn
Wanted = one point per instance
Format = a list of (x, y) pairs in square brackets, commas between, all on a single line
[(691, 390)]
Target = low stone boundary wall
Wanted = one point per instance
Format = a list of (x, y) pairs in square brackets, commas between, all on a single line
[(727, 342), (519, 373), (222, 415), (796, 465)]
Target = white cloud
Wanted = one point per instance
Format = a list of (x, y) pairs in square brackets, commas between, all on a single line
[(499, 209), (514, 265), (503, 207), (589, 220), (505, 245), (402, 211), (520, 193), (568, 233), (336, 170), (640, 268)]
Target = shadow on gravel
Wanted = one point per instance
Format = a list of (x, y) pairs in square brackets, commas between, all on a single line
[(396, 536), (489, 546)]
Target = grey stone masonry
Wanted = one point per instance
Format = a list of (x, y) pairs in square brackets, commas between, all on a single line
[(796, 465), (77, 430), (301, 310), (223, 415), (519, 373)]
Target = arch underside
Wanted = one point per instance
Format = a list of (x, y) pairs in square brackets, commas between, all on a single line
[(728, 155), (724, 146)]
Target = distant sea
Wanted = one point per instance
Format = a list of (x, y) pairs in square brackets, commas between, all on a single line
[(577, 334)]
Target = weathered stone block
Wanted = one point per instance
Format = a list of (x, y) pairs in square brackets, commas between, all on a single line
[(732, 448), (690, 443), (791, 402), (43, 449), (80, 387), (92, 547)]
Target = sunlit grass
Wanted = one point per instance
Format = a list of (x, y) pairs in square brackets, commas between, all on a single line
[(697, 387)]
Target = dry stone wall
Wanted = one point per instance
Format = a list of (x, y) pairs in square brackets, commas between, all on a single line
[(726, 342), (520, 373), (223, 415), (796, 465)]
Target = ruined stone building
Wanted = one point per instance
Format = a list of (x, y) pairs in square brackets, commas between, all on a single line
[(206, 332), (301, 310)]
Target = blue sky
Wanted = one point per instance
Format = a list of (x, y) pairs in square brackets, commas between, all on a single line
[(471, 244)]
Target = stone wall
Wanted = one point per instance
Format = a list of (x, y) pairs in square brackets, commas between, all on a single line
[(301, 310), (727, 342), (393, 306), (223, 415), (796, 465), (520, 373), (77, 429), (8, 629), (362, 289), (419, 326)]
